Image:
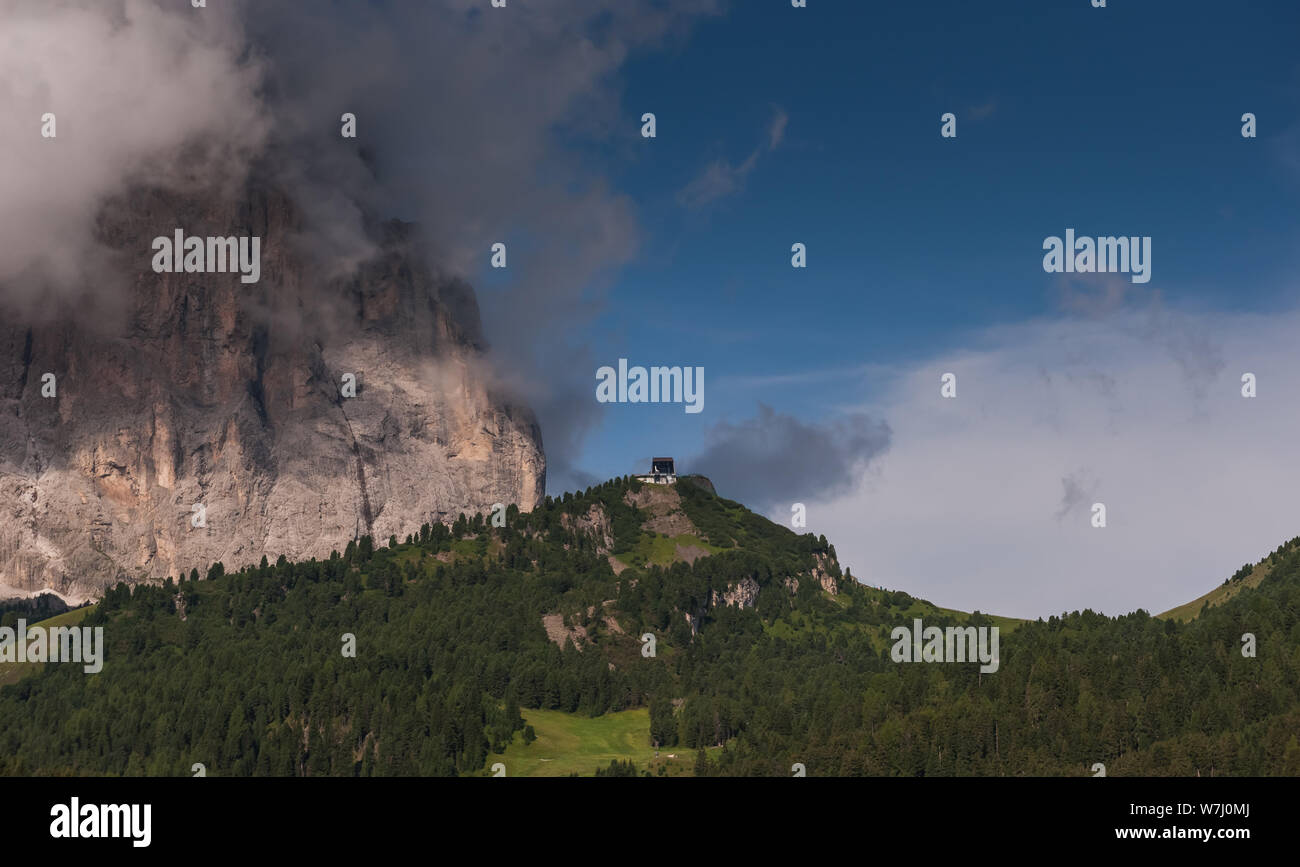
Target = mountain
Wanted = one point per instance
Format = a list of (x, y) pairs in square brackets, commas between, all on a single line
[(209, 391), (526, 645)]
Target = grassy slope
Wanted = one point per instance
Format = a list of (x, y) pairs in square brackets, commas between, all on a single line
[(1220, 594), (660, 550), (11, 672), (1004, 624), (570, 743)]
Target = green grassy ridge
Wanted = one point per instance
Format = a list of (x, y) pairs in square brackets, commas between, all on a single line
[(656, 549), (1217, 596), (1230, 588), (930, 614), (747, 530), (1006, 625), (12, 672)]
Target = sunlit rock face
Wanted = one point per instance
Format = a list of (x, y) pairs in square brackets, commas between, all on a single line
[(202, 390)]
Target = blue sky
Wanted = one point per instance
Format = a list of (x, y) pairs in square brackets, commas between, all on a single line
[(822, 126), (1116, 120)]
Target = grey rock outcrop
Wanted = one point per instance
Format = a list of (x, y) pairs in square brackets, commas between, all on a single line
[(742, 594), (214, 392), (595, 524)]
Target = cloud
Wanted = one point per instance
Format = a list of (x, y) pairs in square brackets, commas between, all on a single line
[(721, 178), (467, 121), (981, 502), (776, 129), (1078, 495), (984, 110), (139, 91), (775, 459), (469, 116), (1145, 315)]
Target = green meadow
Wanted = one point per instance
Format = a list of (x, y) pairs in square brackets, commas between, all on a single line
[(571, 743), (11, 672)]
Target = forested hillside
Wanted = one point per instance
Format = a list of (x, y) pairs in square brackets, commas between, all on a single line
[(763, 652)]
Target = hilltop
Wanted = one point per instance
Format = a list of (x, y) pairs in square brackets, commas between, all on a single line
[(1248, 576)]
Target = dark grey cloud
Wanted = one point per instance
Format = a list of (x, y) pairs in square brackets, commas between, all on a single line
[(470, 116), (1078, 493), (774, 459)]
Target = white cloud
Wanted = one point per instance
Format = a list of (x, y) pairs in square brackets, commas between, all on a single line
[(977, 504), (721, 178), (138, 90), (776, 129)]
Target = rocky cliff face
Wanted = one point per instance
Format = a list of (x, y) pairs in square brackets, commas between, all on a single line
[(213, 392)]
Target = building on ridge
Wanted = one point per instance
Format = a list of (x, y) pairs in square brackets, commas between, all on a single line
[(662, 472)]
